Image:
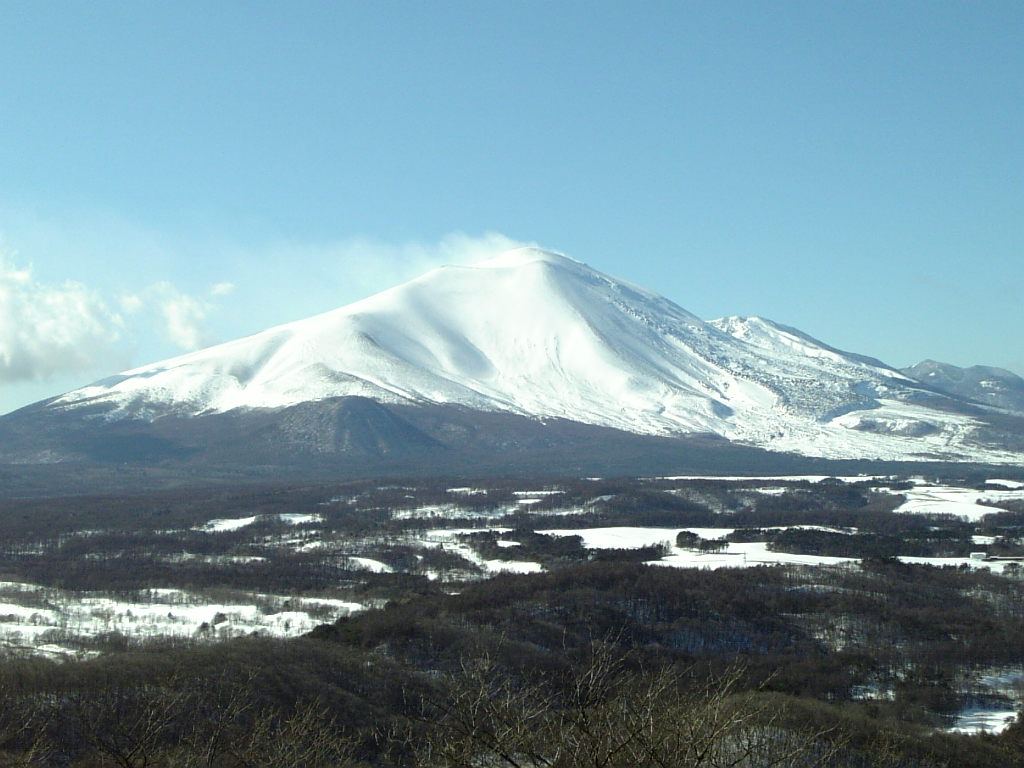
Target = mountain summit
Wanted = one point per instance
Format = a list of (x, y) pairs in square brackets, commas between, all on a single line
[(536, 335)]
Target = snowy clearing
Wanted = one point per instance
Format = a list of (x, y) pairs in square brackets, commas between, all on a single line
[(223, 524), (449, 539), (980, 720), (951, 500), (70, 624), (369, 564), (1013, 484), (618, 537)]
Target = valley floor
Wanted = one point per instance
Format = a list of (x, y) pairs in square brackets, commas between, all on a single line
[(912, 587)]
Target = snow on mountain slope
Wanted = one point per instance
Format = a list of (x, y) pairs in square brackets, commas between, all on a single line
[(535, 333), (981, 383), (784, 340)]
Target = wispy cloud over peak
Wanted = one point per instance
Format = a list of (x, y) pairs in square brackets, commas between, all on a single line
[(184, 317)]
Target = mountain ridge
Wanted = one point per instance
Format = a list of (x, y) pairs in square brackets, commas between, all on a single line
[(535, 334), (983, 384)]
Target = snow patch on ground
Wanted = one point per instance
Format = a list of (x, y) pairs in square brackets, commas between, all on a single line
[(368, 564), (951, 500), (56, 623), (779, 478), (742, 555), (449, 539), (293, 518), (220, 525), (227, 524), (618, 537), (996, 566), (983, 720), (734, 554), (1014, 484)]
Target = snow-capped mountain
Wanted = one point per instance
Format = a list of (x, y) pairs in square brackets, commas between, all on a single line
[(981, 383), (540, 336)]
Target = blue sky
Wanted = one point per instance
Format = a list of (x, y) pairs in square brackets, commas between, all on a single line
[(176, 174)]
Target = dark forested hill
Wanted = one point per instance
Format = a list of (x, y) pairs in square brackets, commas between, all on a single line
[(632, 665)]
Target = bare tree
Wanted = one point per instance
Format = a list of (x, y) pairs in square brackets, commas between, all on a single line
[(306, 739), (23, 725), (128, 726), (609, 717), (184, 725)]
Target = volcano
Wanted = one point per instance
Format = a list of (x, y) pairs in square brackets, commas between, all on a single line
[(529, 351)]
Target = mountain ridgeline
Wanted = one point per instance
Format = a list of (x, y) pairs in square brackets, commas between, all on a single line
[(980, 383), (526, 361)]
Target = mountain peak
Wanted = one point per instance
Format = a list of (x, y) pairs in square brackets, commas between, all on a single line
[(517, 257), (534, 333)]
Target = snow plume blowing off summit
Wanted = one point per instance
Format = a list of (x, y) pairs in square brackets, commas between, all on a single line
[(537, 334)]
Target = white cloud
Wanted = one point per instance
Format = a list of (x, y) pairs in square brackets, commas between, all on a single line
[(47, 329), (131, 303), (178, 317), (185, 319), (181, 318), (377, 265), (355, 268), (285, 281), (59, 331)]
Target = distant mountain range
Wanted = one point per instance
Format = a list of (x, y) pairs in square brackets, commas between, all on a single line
[(529, 354), (979, 383)]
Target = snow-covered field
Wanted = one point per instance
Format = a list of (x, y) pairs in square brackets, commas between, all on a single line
[(776, 478), (1006, 687), (237, 523), (618, 537), (982, 720), (55, 623), (922, 498), (734, 555), (45, 620), (449, 539), (962, 502)]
